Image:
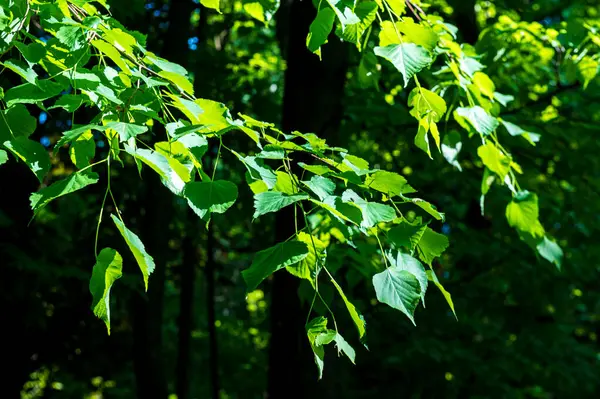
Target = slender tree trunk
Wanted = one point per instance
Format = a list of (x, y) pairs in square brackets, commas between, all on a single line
[(312, 103), (466, 19), (211, 315), (148, 308), (148, 318), (187, 276)]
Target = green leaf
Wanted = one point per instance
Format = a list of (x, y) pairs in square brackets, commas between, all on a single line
[(494, 159), (258, 170), (344, 347), (318, 335), (365, 13), (357, 318), (451, 146), (33, 52), (285, 184), (143, 259), (179, 80), (32, 153), (107, 270), (273, 201), (485, 84), (309, 267), (431, 245), (16, 122), (3, 157), (262, 10), (21, 69), (406, 235), (587, 70), (69, 102), (344, 11), (522, 213), (28, 93), (270, 260), (126, 130), (172, 173), (478, 118), (83, 150), (389, 183), (398, 6), (426, 103), (515, 130), (432, 277), (372, 212), (408, 58), (165, 65), (399, 289), (210, 196), (73, 134), (111, 52), (420, 34), (321, 186), (316, 169), (74, 182), (550, 251), (319, 30), (214, 4), (428, 207), (406, 262)]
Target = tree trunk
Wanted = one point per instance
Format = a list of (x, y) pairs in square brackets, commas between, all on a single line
[(149, 368), (312, 104), (466, 19), (213, 354)]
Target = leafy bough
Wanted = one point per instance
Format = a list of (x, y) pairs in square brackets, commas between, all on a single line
[(91, 60)]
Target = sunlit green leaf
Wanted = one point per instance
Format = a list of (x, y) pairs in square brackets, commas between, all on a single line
[(32, 153), (143, 259), (407, 58), (399, 289), (273, 201), (270, 260), (73, 182), (210, 196), (107, 270)]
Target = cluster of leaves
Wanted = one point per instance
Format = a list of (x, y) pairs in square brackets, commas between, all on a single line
[(89, 60), (411, 45)]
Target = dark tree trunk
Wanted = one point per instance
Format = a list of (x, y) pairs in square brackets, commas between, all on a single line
[(187, 276), (148, 308), (148, 317), (466, 19), (312, 104), (211, 316)]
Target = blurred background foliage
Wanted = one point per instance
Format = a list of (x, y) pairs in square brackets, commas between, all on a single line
[(524, 330)]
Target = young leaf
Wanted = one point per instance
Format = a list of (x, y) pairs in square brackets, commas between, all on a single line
[(143, 259), (431, 245), (270, 260), (406, 262), (550, 251), (432, 277), (126, 130), (319, 30), (399, 289), (389, 183), (172, 173), (107, 270), (318, 335), (210, 196), (365, 13), (82, 151), (408, 58), (3, 157), (74, 182), (32, 153), (494, 159), (262, 10), (321, 186), (451, 146), (214, 4), (515, 130), (272, 201), (372, 212), (406, 235), (16, 122), (478, 118), (309, 267), (357, 318), (522, 213)]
